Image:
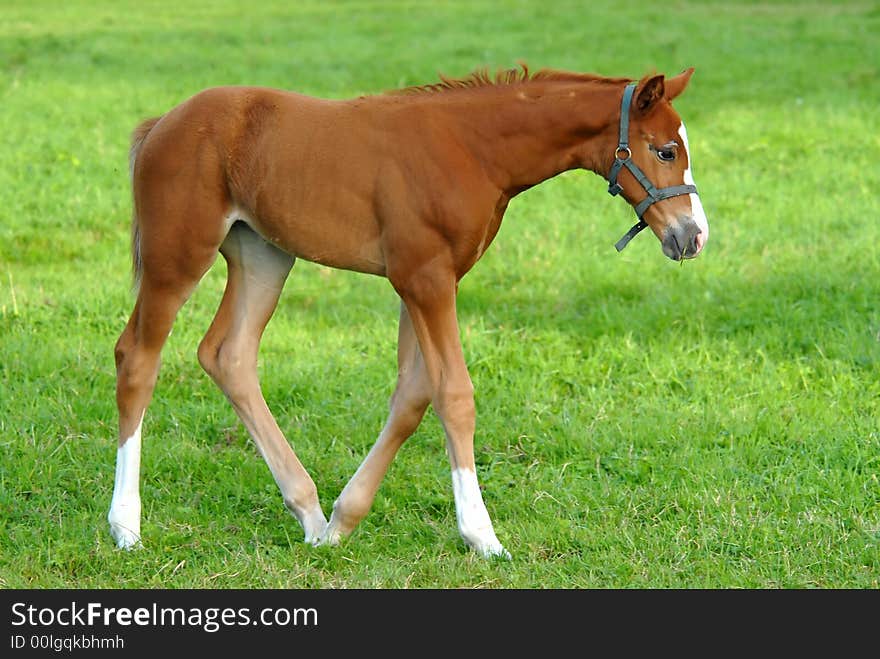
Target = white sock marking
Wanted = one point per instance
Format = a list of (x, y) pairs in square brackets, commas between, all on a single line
[(473, 518), (125, 506), (697, 211)]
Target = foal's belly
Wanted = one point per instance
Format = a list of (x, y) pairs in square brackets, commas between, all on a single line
[(346, 242)]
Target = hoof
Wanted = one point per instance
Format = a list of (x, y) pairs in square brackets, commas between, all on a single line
[(124, 537), (334, 532), (125, 524), (314, 526), (492, 550)]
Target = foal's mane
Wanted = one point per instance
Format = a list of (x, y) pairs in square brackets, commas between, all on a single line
[(482, 78)]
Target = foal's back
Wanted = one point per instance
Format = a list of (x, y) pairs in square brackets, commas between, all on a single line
[(303, 172)]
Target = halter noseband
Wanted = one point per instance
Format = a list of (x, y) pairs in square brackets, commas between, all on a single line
[(654, 195)]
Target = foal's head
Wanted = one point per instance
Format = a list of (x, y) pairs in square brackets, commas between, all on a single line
[(658, 146)]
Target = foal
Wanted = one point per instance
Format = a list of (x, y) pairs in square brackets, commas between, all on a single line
[(409, 185)]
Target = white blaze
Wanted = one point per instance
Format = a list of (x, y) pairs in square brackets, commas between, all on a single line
[(697, 211)]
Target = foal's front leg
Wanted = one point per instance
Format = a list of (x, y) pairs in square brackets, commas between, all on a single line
[(431, 304)]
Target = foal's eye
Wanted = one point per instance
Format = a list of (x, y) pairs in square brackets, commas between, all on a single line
[(666, 155)]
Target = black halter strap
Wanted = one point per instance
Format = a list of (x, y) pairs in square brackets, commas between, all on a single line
[(623, 158)]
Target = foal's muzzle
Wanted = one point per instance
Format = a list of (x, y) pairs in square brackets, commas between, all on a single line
[(684, 240)]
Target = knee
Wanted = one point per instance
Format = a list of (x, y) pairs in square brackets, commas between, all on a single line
[(456, 410), (408, 419), (455, 400), (407, 412)]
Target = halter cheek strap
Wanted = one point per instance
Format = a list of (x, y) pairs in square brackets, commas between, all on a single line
[(623, 158)]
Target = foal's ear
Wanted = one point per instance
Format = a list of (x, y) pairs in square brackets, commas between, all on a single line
[(649, 92), (676, 85)]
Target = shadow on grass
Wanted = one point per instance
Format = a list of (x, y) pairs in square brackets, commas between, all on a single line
[(785, 313)]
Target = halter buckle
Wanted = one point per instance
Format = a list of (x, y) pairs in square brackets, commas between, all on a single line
[(614, 188)]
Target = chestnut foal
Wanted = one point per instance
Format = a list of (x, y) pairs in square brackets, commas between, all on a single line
[(410, 185)]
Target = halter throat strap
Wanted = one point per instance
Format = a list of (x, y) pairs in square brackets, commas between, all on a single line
[(623, 158)]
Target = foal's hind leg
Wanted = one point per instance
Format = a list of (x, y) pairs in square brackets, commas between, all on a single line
[(163, 291), (257, 272), (408, 404)]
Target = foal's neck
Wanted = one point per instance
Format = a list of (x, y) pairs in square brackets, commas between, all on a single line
[(526, 133)]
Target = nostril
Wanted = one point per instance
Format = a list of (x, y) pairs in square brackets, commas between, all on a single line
[(699, 241)]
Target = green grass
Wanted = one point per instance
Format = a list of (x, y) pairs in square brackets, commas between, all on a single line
[(640, 423)]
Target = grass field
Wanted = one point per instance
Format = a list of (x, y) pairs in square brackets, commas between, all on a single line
[(641, 424)]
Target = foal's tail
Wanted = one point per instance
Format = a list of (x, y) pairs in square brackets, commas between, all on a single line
[(137, 139)]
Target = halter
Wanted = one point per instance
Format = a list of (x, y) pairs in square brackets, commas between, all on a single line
[(654, 195)]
